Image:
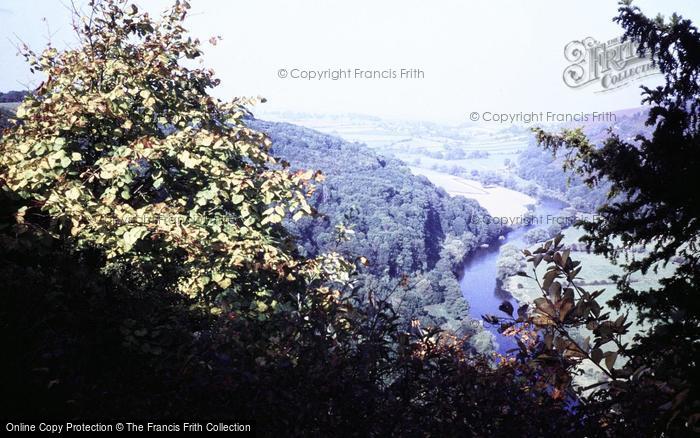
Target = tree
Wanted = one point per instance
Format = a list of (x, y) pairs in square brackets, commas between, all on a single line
[(654, 182), (510, 261), (123, 163), (535, 235), (122, 147)]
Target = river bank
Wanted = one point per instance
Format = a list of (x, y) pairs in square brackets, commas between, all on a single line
[(479, 279)]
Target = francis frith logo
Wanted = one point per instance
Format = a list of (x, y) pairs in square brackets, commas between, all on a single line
[(605, 66)]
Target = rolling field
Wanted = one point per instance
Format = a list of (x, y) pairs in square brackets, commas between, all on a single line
[(498, 201)]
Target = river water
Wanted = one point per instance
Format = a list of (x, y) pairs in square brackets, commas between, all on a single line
[(478, 282)]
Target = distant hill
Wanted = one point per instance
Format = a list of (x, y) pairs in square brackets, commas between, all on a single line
[(12, 96)]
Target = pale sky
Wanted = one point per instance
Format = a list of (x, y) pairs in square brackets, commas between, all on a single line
[(500, 56)]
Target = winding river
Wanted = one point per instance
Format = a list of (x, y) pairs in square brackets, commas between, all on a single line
[(478, 281)]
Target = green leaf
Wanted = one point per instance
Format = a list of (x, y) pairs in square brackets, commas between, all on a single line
[(237, 199), (132, 236), (73, 194)]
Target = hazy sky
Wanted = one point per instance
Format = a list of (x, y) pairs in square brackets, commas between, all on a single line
[(500, 56)]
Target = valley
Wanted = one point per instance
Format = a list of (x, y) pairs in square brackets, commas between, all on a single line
[(499, 170)]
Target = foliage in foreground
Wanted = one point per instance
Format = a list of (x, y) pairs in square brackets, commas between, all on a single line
[(653, 201), (147, 273)]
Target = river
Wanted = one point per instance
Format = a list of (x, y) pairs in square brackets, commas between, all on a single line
[(478, 281)]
